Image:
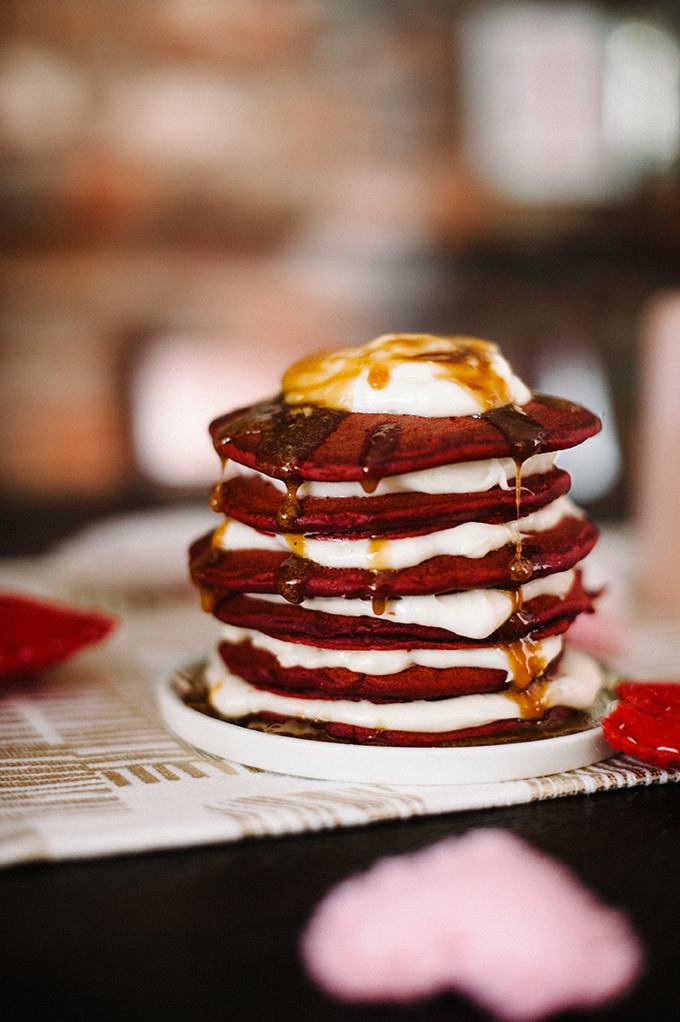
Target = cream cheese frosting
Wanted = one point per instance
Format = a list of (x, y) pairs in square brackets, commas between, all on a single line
[(408, 374), (462, 477), (470, 539), (471, 613)]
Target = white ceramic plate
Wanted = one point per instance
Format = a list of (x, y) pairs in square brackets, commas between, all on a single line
[(379, 764)]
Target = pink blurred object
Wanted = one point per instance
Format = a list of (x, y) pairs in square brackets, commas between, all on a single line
[(599, 635), (485, 915), (657, 450)]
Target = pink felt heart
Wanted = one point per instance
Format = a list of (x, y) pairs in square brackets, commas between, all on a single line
[(485, 915)]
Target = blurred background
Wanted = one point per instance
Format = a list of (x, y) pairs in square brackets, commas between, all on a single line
[(196, 192)]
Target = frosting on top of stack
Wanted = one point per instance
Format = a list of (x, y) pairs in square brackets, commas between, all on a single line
[(416, 374)]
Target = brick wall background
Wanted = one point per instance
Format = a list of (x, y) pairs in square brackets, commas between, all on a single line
[(244, 180)]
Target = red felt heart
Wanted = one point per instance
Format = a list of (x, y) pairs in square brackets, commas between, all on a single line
[(645, 723), (37, 633)]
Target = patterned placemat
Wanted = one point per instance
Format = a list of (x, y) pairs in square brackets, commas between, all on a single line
[(88, 768)]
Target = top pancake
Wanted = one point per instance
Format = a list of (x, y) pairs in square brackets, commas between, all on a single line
[(298, 442)]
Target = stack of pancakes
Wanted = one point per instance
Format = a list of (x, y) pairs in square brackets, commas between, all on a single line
[(396, 577)]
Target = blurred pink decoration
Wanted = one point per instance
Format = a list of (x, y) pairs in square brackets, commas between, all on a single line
[(657, 491), (600, 635), (485, 915)]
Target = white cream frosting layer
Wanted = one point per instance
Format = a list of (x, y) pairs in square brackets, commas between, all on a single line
[(408, 374), (576, 686), (470, 539), (471, 613), (390, 661), (462, 477)]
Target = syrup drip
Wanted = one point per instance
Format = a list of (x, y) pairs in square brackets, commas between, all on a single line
[(531, 701), (376, 587), (289, 511), (290, 579), (525, 436), (283, 436), (526, 662), (377, 549), (218, 534), (521, 568), (517, 597), (369, 484), (378, 445), (215, 500), (378, 376), (296, 542), (523, 433)]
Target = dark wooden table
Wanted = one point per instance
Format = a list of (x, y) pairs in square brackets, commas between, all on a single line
[(213, 933)]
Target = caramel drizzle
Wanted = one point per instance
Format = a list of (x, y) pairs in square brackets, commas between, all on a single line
[(296, 542), (528, 687), (526, 662), (521, 568), (531, 701), (290, 579), (288, 513), (379, 444), (285, 435), (215, 501), (288, 434), (526, 436), (218, 534), (325, 379), (470, 366), (378, 376), (377, 588)]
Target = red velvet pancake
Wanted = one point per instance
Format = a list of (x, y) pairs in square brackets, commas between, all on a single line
[(257, 502), (308, 442), (259, 667), (271, 571), (558, 720), (538, 617)]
